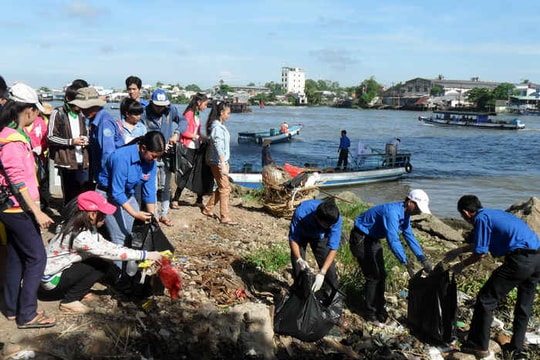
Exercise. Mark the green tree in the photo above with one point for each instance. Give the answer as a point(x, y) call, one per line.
point(275, 88)
point(502, 91)
point(44, 89)
point(367, 91)
point(159, 85)
point(313, 93)
point(251, 84)
point(482, 97)
point(436, 90)
point(193, 87)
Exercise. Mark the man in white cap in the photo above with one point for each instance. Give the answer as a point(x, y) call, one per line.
point(386, 221)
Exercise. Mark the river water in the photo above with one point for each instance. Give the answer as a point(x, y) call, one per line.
point(498, 166)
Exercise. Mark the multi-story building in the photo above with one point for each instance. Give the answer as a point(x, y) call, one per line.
point(293, 81)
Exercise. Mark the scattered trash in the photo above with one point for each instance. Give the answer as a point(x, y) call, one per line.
point(532, 338)
point(496, 323)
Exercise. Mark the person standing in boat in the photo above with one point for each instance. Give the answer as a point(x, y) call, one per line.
point(386, 221)
point(391, 151)
point(266, 157)
point(361, 152)
point(343, 150)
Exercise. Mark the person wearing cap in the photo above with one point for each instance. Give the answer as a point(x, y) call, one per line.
point(199, 177)
point(503, 235)
point(161, 116)
point(68, 140)
point(22, 216)
point(266, 157)
point(105, 135)
point(79, 256)
point(386, 221)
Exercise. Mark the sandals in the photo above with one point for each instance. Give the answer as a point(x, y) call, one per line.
point(229, 222)
point(13, 317)
point(75, 307)
point(166, 221)
point(40, 321)
point(174, 205)
point(208, 213)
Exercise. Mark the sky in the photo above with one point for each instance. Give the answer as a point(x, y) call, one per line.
point(50, 43)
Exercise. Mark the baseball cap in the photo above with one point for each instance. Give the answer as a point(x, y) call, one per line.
point(421, 199)
point(25, 94)
point(93, 201)
point(160, 98)
point(87, 97)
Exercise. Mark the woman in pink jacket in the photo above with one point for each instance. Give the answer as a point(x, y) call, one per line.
point(22, 215)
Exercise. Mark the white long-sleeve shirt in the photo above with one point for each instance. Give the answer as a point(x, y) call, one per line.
point(85, 245)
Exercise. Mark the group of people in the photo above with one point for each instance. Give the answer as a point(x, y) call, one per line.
point(318, 223)
point(111, 172)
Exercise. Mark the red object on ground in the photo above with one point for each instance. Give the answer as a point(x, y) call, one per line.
point(170, 277)
point(292, 170)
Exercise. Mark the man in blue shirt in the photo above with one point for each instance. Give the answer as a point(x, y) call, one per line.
point(344, 145)
point(501, 234)
point(317, 223)
point(386, 221)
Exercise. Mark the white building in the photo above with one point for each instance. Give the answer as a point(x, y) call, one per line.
point(293, 80)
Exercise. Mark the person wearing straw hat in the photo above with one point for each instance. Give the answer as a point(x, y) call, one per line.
point(105, 134)
point(386, 221)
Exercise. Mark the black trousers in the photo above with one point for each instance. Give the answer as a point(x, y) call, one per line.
point(520, 269)
point(369, 253)
point(343, 158)
point(77, 280)
point(320, 251)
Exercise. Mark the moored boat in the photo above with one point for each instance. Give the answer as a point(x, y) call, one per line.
point(364, 169)
point(480, 120)
point(273, 135)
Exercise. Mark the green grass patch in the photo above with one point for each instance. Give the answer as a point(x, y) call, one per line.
point(275, 258)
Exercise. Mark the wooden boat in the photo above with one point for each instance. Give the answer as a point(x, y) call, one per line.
point(274, 135)
point(480, 120)
point(365, 169)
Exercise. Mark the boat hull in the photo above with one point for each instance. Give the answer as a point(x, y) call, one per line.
point(331, 179)
point(260, 137)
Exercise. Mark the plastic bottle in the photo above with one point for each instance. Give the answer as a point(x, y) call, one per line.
point(131, 268)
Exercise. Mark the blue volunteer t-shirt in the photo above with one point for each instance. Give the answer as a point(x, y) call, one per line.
point(388, 221)
point(305, 227)
point(499, 232)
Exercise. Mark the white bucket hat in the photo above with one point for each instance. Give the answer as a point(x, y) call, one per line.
point(25, 94)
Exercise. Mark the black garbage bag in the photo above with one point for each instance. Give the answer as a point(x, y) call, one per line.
point(148, 237)
point(305, 315)
point(432, 308)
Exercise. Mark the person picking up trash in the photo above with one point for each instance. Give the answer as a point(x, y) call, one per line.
point(501, 234)
point(386, 221)
point(317, 223)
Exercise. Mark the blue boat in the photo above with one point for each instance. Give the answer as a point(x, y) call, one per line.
point(273, 135)
point(449, 118)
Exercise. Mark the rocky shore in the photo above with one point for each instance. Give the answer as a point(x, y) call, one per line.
point(226, 306)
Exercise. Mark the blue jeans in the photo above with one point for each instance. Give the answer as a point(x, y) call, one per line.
point(164, 183)
point(120, 223)
point(26, 260)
